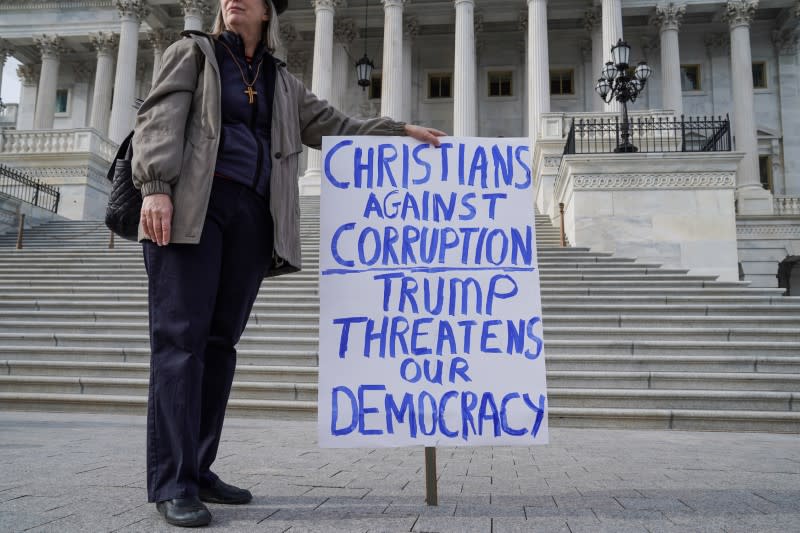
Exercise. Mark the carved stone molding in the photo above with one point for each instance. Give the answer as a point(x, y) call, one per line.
point(740, 12)
point(325, 4)
point(389, 3)
point(522, 20)
point(592, 18)
point(6, 49)
point(552, 162)
point(768, 230)
point(787, 42)
point(703, 180)
point(344, 30)
point(410, 27)
point(50, 46)
point(53, 4)
point(83, 73)
point(195, 8)
point(669, 16)
point(288, 34)
point(477, 23)
point(57, 172)
point(133, 9)
point(104, 42)
point(29, 74)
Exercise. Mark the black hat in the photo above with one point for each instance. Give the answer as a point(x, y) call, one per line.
point(280, 5)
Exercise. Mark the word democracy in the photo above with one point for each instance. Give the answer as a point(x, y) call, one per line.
point(372, 410)
point(386, 166)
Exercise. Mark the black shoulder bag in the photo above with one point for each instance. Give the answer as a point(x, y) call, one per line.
point(124, 200)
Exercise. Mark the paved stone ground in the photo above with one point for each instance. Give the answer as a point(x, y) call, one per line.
point(68, 472)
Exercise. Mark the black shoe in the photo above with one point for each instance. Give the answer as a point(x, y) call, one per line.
point(184, 512)
point(221, 492)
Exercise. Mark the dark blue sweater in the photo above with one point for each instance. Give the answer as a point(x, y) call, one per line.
point(244, 147)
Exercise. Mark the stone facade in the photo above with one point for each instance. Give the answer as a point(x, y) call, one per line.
point(440, 64)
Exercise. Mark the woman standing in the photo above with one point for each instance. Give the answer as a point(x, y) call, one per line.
point(216, 157)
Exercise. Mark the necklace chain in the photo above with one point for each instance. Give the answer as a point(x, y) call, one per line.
point(249, 86)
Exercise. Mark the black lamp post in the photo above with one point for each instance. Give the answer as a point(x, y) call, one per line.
point(364, 66)
point(618, 83)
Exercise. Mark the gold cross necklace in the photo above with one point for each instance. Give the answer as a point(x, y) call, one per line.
point(249, 86)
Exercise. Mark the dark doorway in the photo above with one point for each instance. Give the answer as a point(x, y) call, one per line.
point(789, 275)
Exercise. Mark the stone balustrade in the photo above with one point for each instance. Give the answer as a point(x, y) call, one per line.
point(35, 142)
point(787, 205)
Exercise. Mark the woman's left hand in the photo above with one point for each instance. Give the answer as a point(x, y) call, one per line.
point(423, 134)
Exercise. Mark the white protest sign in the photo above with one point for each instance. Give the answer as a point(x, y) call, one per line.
point(430, 310)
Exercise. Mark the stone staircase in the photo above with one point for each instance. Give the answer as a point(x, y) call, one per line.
point(628, 344)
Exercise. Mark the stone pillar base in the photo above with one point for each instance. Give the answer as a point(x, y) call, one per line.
point(310, 183)
point(754, 201)
point(675, 209)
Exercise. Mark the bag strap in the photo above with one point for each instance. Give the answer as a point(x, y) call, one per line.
point(124, 153)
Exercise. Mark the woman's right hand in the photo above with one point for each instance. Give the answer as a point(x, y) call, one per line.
point(156, 217)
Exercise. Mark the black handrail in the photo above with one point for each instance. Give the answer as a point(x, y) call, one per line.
point(17, 185)
point(650, 135)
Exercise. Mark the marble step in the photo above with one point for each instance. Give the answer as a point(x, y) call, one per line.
point(310, 343)
point(577, 417)
point(623, 398)
point(751, 364)
point(270, 330)
point(141, 354)
point(589, 379)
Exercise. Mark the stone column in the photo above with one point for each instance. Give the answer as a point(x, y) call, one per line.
point(464, 89)
point(5, 51)
point(410, 30)
point(538, 67)
point(50, 46)
point(751, 197)
point(344, 31)
point(668, 19)
point(122, 110)
point(787, 45)
point(392, 65)
point(83, 74)
point(522, 44)
point(718, 48)
point(589, 94)
point(160, 39)
point(193, 13)
point(612, 32)
point(321, 82)
point(593, 23)
point(105, 44)
point(29, 76)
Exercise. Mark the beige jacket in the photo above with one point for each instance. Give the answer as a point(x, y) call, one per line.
point(177, 135)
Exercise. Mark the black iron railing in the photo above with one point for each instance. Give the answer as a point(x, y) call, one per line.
point(17, 185)
point(650, 134)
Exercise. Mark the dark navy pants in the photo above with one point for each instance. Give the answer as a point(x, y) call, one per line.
point(200, 297)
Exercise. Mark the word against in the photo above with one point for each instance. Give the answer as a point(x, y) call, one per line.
point(430, 307)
